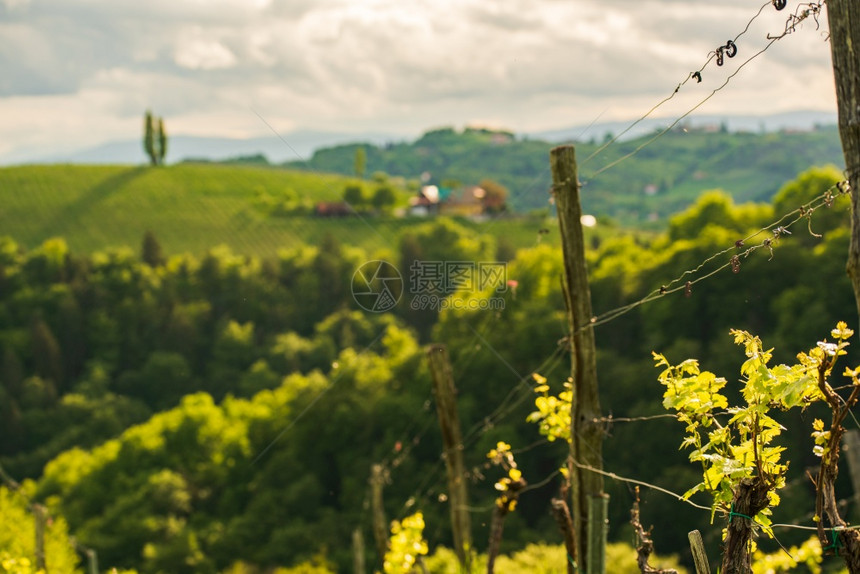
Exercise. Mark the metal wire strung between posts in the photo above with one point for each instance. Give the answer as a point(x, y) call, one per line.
point(511, 401)
point(695, 75)
point(813, 9)
point(681, 498)
point(777, 229)
point(508, 405)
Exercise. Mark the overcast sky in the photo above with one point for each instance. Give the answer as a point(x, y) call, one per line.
point(75, 73)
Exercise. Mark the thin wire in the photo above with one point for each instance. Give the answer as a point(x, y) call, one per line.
point(542, 483)
point(479, 429)
point(611, 419)
point(488, 507)
point(690, 76)
point(506, 406)
point(310, 405)
point(463, 361)
point(685, 114)
point(395, 459)
point(790, 26)
point(680, 498)
point(620, 478)
point(532, 446)
point(777, 227)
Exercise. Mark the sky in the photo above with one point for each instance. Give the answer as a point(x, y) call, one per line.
point(76, 73)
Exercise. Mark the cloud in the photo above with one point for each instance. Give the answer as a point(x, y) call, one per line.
point(196, 52)
point(389, 64)
point(11, 5)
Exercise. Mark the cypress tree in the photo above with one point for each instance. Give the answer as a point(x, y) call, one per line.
point(149, 138)
point(162, 141)
point(360, 162)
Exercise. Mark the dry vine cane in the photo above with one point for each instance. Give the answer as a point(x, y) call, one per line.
point(820, 362)
point(644, 545)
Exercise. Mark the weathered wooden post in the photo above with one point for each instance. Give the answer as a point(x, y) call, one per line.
point(92, 561)
point(843, 17)
point(449, 421)
point(598, 527)
point(697, 547)
point(39, 514)
point(358, 552)
point(380, 527)
point(586, 443)
point(565, 523)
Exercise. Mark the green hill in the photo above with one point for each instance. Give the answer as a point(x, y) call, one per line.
point(665, 177)
point(259, 209)
point(190, 207)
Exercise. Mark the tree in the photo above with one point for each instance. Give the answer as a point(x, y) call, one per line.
point(495, 199)
point(353, 194)
point(149, 138)
point(162, 141)
point(383, 197)
point(151, 253)
point(360, 162)
point(154, 138)
point(843, 16)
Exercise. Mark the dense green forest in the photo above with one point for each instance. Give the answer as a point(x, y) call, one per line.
point(221, 412)
point(650, 186)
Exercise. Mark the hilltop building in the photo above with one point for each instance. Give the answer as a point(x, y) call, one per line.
point(466, 201)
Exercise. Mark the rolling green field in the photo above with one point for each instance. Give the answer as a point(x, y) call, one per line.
point(192, 208)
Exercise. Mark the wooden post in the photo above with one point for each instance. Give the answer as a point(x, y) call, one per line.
point(92, 561)
point(586, 443)
point(380, 527)
point(40, 516)
point(358, 552)
point(565, 524)
point(843, 17)
point(700, 558)
point(449, 421)
point(598, 525)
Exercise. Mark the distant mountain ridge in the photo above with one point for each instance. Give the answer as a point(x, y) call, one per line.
point(295, 145)
point(796, 120)
point(741, 155)
point(301, 144)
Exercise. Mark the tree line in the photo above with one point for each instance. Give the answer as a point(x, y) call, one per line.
point(147, 393)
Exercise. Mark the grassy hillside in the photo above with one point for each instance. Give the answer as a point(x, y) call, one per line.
point(192, 208)
point(675, 169)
